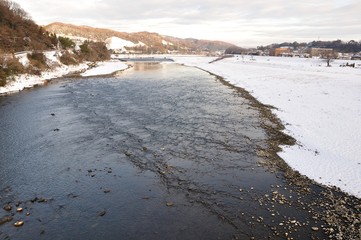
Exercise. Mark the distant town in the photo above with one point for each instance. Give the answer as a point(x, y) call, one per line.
point(338, 49)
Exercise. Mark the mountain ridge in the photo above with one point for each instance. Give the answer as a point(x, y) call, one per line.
point(149, 41)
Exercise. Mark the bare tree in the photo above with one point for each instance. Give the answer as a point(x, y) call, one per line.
point(16, 9)
point(329, 57)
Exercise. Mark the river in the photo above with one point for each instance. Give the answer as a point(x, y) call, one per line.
point(160, 151)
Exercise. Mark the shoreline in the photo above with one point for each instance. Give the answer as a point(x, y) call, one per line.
point(338, 209)
point(318, 106)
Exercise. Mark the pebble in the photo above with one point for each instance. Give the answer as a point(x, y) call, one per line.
point(19, 223)
point(7, 207)
point(5, 219)
point(315, 228)
point(102, 213)
point(170, 204)
point(19, 209)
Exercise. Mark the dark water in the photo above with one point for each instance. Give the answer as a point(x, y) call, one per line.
point(158, 152)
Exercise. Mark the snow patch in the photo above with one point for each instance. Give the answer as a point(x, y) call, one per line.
point(104, 68)
point(23, 59)
point(53, 58)
point(140, 44)
point(164, 42)
point(116, 43)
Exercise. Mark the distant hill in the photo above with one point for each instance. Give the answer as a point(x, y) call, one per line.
point(19, 33)
point(144, 42)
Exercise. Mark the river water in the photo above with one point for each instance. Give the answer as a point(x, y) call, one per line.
point(160, 151)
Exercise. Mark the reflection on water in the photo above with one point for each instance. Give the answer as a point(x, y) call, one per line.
point(157, 152)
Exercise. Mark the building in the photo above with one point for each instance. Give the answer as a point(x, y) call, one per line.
point(356, 56)
point(321, 52)
point(282, 51)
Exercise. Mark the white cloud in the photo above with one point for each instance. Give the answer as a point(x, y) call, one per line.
point(239, 21)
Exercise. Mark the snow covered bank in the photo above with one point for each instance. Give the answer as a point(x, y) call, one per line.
point(320, 107)
point(103, 68)
point(27, 81)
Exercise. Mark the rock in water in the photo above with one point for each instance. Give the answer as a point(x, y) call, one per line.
point(7, 207)
point(19, 223)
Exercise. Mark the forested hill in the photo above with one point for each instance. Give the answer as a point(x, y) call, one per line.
point(19, 33)
point(153, 42)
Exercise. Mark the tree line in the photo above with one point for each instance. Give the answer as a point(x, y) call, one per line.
point(351, 46)
point(18, 32)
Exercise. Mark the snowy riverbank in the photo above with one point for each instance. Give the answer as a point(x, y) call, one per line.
point(24, 81)
point(320, 107)
point(104, 68)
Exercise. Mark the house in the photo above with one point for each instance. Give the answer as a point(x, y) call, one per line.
point(356, 56)
point(321, 52)
point(282, 51)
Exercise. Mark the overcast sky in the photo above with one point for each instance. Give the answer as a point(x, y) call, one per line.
point(242, 22)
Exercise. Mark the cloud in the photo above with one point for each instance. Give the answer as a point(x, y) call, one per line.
point(241, 22)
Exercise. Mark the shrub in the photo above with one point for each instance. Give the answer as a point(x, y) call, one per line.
point(37, 61)
point(94, 51)
point(66, 42)
point(13, 66)
point(2, 78)
point(84, 48)
point(9, 66)
point(68, 59)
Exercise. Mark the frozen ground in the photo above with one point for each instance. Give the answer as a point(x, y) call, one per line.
point(320, 107)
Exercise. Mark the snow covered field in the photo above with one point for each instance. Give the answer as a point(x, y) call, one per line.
point(320, 107)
